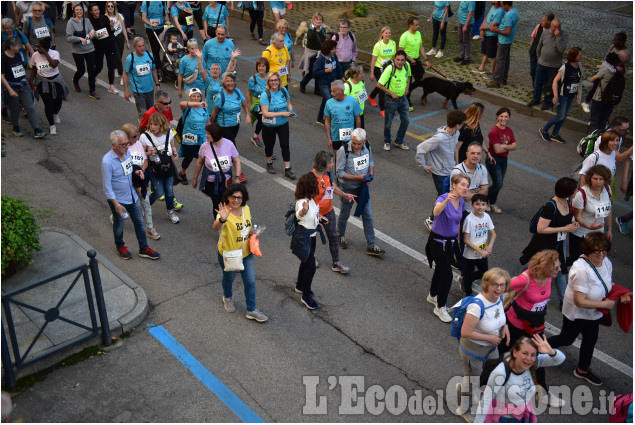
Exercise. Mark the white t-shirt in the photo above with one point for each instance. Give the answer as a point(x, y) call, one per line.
point(478, 229)
point(116, 25)
point(595, 209)
point(312, 216)
point(137, 153)
point(493, 318)
point(600, 157)
point(477, 179)
point(583, 279)
point(159, 142)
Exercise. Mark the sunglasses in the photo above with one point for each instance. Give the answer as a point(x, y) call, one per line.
point(165, 103)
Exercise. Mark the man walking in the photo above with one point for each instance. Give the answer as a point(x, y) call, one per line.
point(506, 33)
point(395, 82)
point(411, 43)
point(341, 116)
point(139, 73)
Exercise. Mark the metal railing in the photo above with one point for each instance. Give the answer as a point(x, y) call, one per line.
point(19, 360)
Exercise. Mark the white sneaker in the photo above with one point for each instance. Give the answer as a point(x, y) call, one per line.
point(495, 209)
point(439, 55)
point(173, 217)
point(256, 315)
point(442, 313)
point(476, 37)
point(386, 146)
point(552, 400)
point(431, 52)
point(432, 300)
point(229, 305)
point(429, 223)
point(585, 107)
point(56, 119)
point(121, 82)
point(53, 130)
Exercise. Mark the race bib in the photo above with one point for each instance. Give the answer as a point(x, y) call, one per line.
point(362, 96)
point(328, 193)
point(87, 41)
point(117, 31)
point(603, 210)
point(127, 166)
point(360, 163)
point(143, 69)
point(238, 118)
point(481, 247)
point(102, 33)
point(562, 236)
point(224, 162)
point(345, 134)
point(574, 88)
point(137, 158)
point(18, 71)
point(189, 20)
point(44, 67)
point(190, 138)
point(155, 21)
point(269, 120)
point(540, 306)
point(283, 71)
point(42, 32)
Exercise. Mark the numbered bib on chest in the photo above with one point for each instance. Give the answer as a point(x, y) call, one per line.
point(540, 306)
point(143, 69)
point(362, 96)
point(102, 33)
point(155, 21)
point(190, 138)
point(603, 210)
point(361, 163)
point(574, 88)
point(269, 120)
point(42, 32)
point(189, 20)
point(562, 236)
point(137, 158)
point(127, 166)
point(328, 193)
point(224, 163)
point(283, 71)
point(44, 67)
point(18, 71)
point(345, 134)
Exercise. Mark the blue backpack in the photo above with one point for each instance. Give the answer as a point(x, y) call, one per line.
point(459, 313)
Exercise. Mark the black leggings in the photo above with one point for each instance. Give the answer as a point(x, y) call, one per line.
point(52, 105)
point(436, 28)
point(307, 270)
point(442, 276)
point(258, 128)
point(230, 133)
point(189, 153)
point(570, 331)
point(269, 138)
point(257, 17)
point(110, 51)
point(79, 59)
point(155, 46)
point(120, 42)
point(382, 95)
point(471, 273)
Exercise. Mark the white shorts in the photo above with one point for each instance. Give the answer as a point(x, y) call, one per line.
point(279, 11)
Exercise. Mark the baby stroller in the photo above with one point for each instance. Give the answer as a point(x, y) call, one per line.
point(170, 61)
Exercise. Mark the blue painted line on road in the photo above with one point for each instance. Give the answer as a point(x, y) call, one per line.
point(252, 58)
point(438, 111)
point(219, 389)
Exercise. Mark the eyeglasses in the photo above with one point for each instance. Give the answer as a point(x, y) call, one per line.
point(498, 285)
point(274, 80)
point(236, 198)
point(623, 130)
point(124, 145)
point(165, 103)
point(601, 251)
point(36, 10)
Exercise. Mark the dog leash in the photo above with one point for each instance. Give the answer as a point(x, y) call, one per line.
point(437, 71)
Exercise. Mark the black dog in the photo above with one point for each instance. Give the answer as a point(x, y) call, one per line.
point(450, 89)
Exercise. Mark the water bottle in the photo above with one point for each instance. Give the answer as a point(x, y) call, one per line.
point(124, 214)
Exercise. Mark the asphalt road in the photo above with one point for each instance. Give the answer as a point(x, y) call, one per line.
point(373, 325)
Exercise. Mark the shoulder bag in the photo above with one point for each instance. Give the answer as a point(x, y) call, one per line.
point(233, 259)
point(510, 295)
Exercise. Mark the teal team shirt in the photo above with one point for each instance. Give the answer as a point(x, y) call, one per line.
point(229, 113)
point(155, 12)
point(194, 126)
point(439, 10)
point(187, 67)
point(278, 104)
point(464, 8)
point(257, 86)
point(342, 117)
point(213, 88)
point(509, 20)
point(220, 53)
point(140, 73)
point(494, 15)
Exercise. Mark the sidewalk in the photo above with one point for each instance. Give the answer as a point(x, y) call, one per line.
point(126, 302)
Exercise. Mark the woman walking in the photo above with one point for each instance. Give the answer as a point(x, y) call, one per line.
point(80, 32)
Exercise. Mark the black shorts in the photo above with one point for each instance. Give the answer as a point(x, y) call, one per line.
point(489, 46)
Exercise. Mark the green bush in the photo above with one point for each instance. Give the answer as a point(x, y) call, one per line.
point(19, 232)
point(360, 10)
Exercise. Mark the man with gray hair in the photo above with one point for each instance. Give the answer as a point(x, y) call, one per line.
point(355, 171)
point(341, 116)
point(219, 50)
point(139, 73)
point(278, 57)
point(346, 49)
point(117, 171)
point(161, 104)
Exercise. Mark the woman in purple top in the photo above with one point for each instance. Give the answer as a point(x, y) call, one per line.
point(443, 243)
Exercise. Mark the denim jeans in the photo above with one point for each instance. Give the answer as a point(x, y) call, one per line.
point(134, 211)
point(249, 280)
point(367, 216)
point(564, 106)
point(543, 76)
point(533, 62)
point(600, 113)
point(561, 285)
point(325, 91)
point(331, 234)
point(162, 187)
point(497, 172)
point(306, 271)
point(392, 107)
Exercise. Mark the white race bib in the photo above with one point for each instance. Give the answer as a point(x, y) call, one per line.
point(362, 96)
point(224, 162)
point(189, 20)
point(18, 71)
point(190, 138)
point(361, 163)
point(562, 236)
point(345, 134)
point(328, 193)
point(238, 118)
point(574, 88)
point(155, 21)
point(137, 158)
point(283, 71)
point(102, 33)
point(269, 120)
point(44, 66)
point(42, 32)
point(603, 210)
point(540, 306)
point(86, 40)
point(143, 69)
point(127, 166)
point(117, 31)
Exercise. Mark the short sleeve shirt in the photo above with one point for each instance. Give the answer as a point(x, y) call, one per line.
point(212, 15)
point(187, 67)
point(229, 113)
point(194, 125)
point(159, 141)
point(155, 12)
point(447, 223)
point(213, 88)
point(384, 52)
point(601, 158)
point(411, 43)
point(140, 72)
point(137, 153)
point(42, 64)
point(439, 10)
point(226, 154)
point(478, 229)
point(510, 19)
point(257, 85)
point(493, 318)
point(342, 115)
point(215, 52)
point(583, 279)
point(324, 198)
point(278, 59)
point(464, 8)
point(503, 137)
point(494, 15)
point(278, 103)
point(398, 82)
point(594, 210)
point(12, 68)
point(234, 234)
point(358, 91)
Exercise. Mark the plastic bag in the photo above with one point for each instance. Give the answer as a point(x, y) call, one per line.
point(254, 242)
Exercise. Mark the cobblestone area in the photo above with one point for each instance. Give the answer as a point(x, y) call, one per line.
point(591, 26)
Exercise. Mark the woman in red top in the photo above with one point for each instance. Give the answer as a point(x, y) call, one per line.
point(501, 142)
point(322, 165)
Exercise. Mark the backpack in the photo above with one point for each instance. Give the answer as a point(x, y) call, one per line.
point(533, 224)
point(222, 96)
point(612, 93)
point(459, 314)
point(337, 36)
point(132, 56)
point(284, 91)
point(586, 145)
point(46, 19)
point(290, 220)
point(621, 404)
point(489, 366)
point(179, 126)
point(346, 151)
point(394, 69)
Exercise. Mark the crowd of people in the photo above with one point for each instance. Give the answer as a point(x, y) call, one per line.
point(572, 232)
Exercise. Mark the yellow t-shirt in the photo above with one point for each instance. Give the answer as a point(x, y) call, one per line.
point(358, 91)
point(398, 81)
point(411, 43)
point(233, 233)
point(384, 52)
point(278, 59)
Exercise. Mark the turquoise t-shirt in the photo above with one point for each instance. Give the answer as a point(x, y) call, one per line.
point(229, 113)
point(278, 104)
point(211, 15)
point(257, 86)
point(194, 126)
point(155, 12)
point(277, 4)
point(186, 68)
point(509, 20)
point(220, 53)
point(213, 88)
point(288, 41)
point(174, 13)
point(140, 73)
point(494, 15)
point(464, 8)
point(439, 10)
point(342, 115)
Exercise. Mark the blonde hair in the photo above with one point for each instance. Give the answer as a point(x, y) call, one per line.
point(159, 119)
point(456, 178)
point(492, 275)
point(115, 11)
point(473, 115)
point(282, 22)
point(354, 71)
point(274, 74)
point(383, 30)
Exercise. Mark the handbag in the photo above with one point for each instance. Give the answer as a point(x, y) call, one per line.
point(233, 259)
point(510, 295)
point(165, 167)
point(220, 183)
point(606, 319)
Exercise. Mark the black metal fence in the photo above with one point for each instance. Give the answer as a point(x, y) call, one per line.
point(16, 358)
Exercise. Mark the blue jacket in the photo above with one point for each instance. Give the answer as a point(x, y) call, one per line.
point(301, 241)
point(326, 78)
